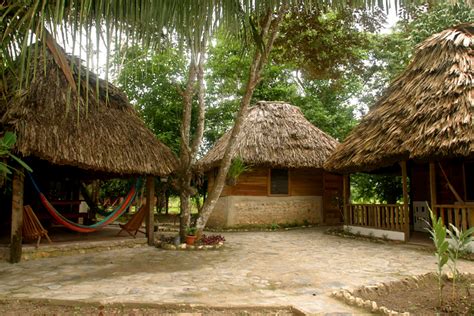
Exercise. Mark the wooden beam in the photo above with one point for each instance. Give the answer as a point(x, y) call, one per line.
point(406, 206)
point(433, 186)
point(346, 197)
point(17, 217)
point(150, 203)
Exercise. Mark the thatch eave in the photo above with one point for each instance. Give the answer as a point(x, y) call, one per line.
point(275, 134)
point(425, 114)
point(83, 130)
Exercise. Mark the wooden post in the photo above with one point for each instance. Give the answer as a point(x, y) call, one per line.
point(433, 186)
point(150, 203)
point(17, 217)
point(346, 197)
point(406, 208)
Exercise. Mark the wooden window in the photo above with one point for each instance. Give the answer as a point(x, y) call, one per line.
point(279, 181)
point(469, 180)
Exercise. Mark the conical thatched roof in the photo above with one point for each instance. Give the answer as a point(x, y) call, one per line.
point(426, 113)
point(76, 129)
point(276, 134)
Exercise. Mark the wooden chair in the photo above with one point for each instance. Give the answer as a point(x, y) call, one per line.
point(32, 228)
point(135, 223)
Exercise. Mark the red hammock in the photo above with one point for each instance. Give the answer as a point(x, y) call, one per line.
point(81, 228)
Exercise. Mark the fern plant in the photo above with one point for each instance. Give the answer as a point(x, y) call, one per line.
point(236, 168)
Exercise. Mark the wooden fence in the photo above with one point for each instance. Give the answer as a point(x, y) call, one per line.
point(381, 216)
point(461, 216)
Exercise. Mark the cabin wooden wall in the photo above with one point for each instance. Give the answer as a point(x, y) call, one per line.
point(420, 182)
point(306, 182)
point(302, 182)
point(314, 196)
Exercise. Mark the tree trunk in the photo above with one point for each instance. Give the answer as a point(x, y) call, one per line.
point(185, 151)
point(190, 149)
point(17, 217)
point(268, 34)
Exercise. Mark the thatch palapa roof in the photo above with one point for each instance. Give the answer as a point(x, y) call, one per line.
point(275, 134)
point(425, 114)
point(82, 130)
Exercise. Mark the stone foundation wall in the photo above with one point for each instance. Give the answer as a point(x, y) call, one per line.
point(235, 211)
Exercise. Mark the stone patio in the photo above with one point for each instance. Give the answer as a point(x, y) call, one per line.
point(298, 267)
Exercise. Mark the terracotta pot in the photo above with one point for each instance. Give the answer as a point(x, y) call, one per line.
point(190, 240)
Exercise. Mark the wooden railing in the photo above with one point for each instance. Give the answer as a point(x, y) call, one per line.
point(461, 216)
point(381, 216)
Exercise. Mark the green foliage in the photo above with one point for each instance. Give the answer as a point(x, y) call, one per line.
point(373, 188)
point(324, 43)
point(237, 167)
point(438, 235)
point(152, 81)
point(460, 242)
point(332, 42)
point(274, 226)
point(6, 145)
point(191, 231)
point(115, 188)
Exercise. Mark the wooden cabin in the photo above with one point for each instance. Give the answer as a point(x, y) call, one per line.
point(285, 183)
point(422, 129)
point(69, 136)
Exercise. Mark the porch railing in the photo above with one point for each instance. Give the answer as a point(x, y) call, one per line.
point(461, 216)
point(381, 216)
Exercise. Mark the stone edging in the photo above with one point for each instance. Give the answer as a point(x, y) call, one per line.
point(256, 229)
point(167, 246)
point(350, 297)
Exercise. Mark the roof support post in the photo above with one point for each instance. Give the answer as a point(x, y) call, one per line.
point(149, 218)
point(406, 206)
point(17, 216)
point(346, 191)
point(433, 186)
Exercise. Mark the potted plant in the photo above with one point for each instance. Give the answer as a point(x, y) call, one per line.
point(190, 235)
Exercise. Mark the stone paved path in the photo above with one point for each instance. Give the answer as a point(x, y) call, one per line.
point(297, 267)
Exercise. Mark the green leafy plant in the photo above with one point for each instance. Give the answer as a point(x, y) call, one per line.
point(236, 168)
point(274, 226)
point(437, 231)
point(191, 231)
point(6, 145)
point(459, 245)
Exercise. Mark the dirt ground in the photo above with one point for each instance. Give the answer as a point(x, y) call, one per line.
point(48, 307)
point(423, 298)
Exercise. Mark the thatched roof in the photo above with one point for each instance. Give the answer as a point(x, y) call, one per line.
point(275, 134)
point(425, 114)
point(53, 123)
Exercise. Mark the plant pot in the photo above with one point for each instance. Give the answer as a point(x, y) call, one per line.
point(190, 240)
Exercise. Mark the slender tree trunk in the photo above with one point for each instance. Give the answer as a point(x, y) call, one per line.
point(269, 31)
point(185, 151)
point(190, 149)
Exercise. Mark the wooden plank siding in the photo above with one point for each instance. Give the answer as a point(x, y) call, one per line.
point(302, 182)
point(420, 185)
point(332, 198)
point(306, 182)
